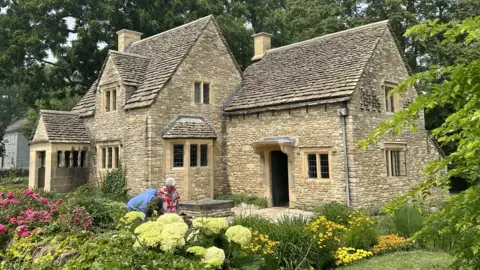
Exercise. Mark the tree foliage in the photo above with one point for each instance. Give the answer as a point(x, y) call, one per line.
point(456, 86)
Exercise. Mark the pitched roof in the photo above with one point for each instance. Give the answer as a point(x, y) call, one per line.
point(166, 51)
point(86, 105)
point(17, 125)
point(327, 67)
point(131, 67)
point(188, 126)
point(64, 127)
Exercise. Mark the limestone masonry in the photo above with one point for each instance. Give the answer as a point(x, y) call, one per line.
point(287, 128)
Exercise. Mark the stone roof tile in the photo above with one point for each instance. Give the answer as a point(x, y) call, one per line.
point(186, 126)
point(64, 127)
point(326, 67)
point(86, 105)
point(17, 125)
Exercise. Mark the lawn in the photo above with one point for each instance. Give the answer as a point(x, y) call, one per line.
point(411, 260)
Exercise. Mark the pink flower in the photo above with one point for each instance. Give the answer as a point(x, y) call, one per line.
point(13, 220)
point(20, 222)
point(23, 231)
point(2, 229)
point(28, 192)
point(59, 202)
point(10, 195)
point(76, 220)
point(43, 200)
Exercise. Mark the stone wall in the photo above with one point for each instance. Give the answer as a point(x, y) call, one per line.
point(314, 128)
point(208, 61)
point(369, 182)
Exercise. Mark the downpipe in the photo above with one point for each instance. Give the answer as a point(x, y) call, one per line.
point(343, 113)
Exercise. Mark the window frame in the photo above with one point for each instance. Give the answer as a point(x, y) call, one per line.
point(103, 156)
point(109, 99)
point(318, 152)
point(183, 155)
point(392, 102)
point(200, 98)
point(388, 149)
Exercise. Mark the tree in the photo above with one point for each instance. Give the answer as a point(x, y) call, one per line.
point(456, 86)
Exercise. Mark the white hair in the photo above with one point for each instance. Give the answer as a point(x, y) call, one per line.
point(170, 182)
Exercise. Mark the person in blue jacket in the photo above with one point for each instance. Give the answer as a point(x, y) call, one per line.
point(145, 202)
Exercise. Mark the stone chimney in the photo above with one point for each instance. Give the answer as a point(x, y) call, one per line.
point(126, 38)
point(262, 43)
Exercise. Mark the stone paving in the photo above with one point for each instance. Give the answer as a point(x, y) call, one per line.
point(271, 213)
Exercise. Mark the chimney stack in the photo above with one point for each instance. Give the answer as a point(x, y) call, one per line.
point(126, 38)
point(262, 43)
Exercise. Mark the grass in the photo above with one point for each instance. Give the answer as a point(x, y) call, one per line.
point(411, 260)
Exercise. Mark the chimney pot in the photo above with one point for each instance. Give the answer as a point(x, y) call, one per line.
point(126, 38)
point(262, 43)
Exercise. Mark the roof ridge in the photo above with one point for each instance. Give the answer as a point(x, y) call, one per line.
point(328, 35)
point(129, 54)
point(58, 112)
point(169, 30)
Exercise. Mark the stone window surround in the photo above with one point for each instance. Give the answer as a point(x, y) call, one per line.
point(211, 92)
point(112, 91)
point(198, 155)
point(61, 163)
point(304, 152)
point(402, 146)
point(186, 154)
point(396, 97)
point(114, 145)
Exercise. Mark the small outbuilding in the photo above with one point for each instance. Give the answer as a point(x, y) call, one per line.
point(58, 152)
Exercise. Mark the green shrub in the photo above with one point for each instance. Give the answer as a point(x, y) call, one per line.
point(297, 248)
point(114, 185)
point(385, 225)
point(239, 198)
point(361, 233)
point(333, 211)
point(105, 212)
point(408, 220)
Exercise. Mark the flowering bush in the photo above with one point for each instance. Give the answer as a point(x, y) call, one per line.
point(326, 232)
point(239, 234)
point(361, 232)
point(210, 226)
point(133, 216)
point(23, 212)
point(391, 242)
point(260, 244)
point(346, 255)
point(214, 257)
point(78, 220)
point(170, 218)
point(167, 236)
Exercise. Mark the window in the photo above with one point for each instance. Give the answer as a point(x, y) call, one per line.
point(395, 161)
point(318, 166)
point(193, 155)
point(75, 159)
point(3, 161)
point(83, 157)
point(110, 100)
point(206, 93)
point(117, 156)
point(391, 101)
point(198, 93)
point(202, 93)
point(104, 158)
point(203, 155)
point(110, 157)
point(178, 155)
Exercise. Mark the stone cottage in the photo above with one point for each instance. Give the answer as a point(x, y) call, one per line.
point(16, 147)
point(287, 128)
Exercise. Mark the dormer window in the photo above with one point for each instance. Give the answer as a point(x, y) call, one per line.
point(202, 93)
point(110, 99)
